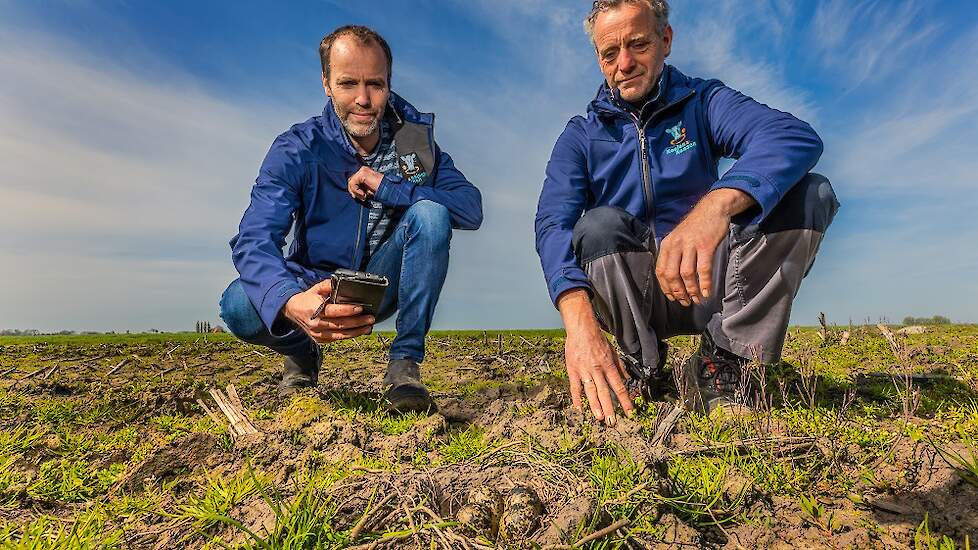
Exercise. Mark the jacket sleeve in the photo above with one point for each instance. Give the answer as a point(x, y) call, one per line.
point(449, 188)
point(774, 150)
point(561, 204)
point(257, 248)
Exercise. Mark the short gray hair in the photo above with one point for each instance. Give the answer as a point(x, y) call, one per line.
point(659, 9)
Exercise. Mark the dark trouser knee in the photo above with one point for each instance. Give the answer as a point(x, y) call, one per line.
point(607, 230)
point(810, 204)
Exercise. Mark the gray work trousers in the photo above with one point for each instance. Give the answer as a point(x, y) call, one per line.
point(757, 271)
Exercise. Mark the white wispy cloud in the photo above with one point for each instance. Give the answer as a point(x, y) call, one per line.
point(709, 42)
point(869, 40)
point(119, 190)
point(111, 180)
point(916, 131)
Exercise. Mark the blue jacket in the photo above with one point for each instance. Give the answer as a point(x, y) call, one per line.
point(303, 182)
point(659, 172)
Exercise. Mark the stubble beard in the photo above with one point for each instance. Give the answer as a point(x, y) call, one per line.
point(354, 129)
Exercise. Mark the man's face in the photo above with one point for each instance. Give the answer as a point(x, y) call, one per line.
point(630, 52)
point(358, 84)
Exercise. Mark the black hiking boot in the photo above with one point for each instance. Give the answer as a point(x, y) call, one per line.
point(404, 391)
point(715, 378)
point(301, 371)
point(649, 383)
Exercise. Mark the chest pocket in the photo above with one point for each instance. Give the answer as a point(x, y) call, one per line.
point(415, 157)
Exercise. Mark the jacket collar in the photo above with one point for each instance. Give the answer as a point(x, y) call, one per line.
point(398, 112)
point(673, 87)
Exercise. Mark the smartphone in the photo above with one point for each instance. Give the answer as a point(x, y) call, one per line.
point(359, 288)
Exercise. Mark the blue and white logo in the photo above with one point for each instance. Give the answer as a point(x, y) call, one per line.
point(679, 143)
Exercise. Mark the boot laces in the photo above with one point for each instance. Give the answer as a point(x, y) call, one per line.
point(723, 372)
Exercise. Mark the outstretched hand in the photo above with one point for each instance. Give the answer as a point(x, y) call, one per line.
point(592, 364)
point(334, 322)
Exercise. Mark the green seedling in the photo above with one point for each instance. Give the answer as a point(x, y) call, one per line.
point(966, 465)
point(924, 540)
point(816, 515)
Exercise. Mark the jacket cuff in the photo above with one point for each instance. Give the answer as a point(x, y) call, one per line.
point(568, 280)
point(272, 304)
point(394, 190)
point(765, 193)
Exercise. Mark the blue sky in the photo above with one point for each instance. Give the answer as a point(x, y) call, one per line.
point(132, 131)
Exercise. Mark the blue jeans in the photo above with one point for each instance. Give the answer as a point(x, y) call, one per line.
point(415, 261)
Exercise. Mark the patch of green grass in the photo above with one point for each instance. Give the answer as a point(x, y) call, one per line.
point(960, 420)
point(776, 476)
point(46, 533)
point(174, 426)
point(217, 496)
point(477, 386)
point(11, 403)
point(396, 424)
point(10, 480)
point(72, 480)
point(856, 429)
point(20, 439)
point(54, 411)
point(613, 473)
point(305, 521)
point(923, 539)
point(707, 429)
point(463, 445)
point(698, 494)
point(368, 410)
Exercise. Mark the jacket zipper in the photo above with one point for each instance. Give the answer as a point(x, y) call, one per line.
point(357, 254)
point(646, 173)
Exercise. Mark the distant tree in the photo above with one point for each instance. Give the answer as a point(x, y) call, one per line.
point(19, 332)
point(935, 320)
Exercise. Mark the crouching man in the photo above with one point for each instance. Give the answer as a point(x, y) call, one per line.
point(362, 187)
point(640, 236)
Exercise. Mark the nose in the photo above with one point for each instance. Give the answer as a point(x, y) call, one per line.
point(363, 96)
point(626, 61)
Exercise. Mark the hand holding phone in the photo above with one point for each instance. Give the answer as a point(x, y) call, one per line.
point(314, 313)
point(359, 288)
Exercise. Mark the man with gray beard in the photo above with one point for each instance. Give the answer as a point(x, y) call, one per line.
point(639, 235)
point(363, 187)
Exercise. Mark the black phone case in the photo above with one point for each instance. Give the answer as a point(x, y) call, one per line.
point(363, 289)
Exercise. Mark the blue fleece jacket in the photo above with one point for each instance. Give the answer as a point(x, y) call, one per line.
point(303, 183)
point(658, 169)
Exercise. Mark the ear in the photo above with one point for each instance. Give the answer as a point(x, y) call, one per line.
point(329, 92)
point(667, 39)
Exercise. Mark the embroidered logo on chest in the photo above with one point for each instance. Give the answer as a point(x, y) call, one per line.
point(679, 144)
point(412, 169)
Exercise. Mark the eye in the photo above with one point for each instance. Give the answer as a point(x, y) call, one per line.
point(609, 55)
point(641, 46)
